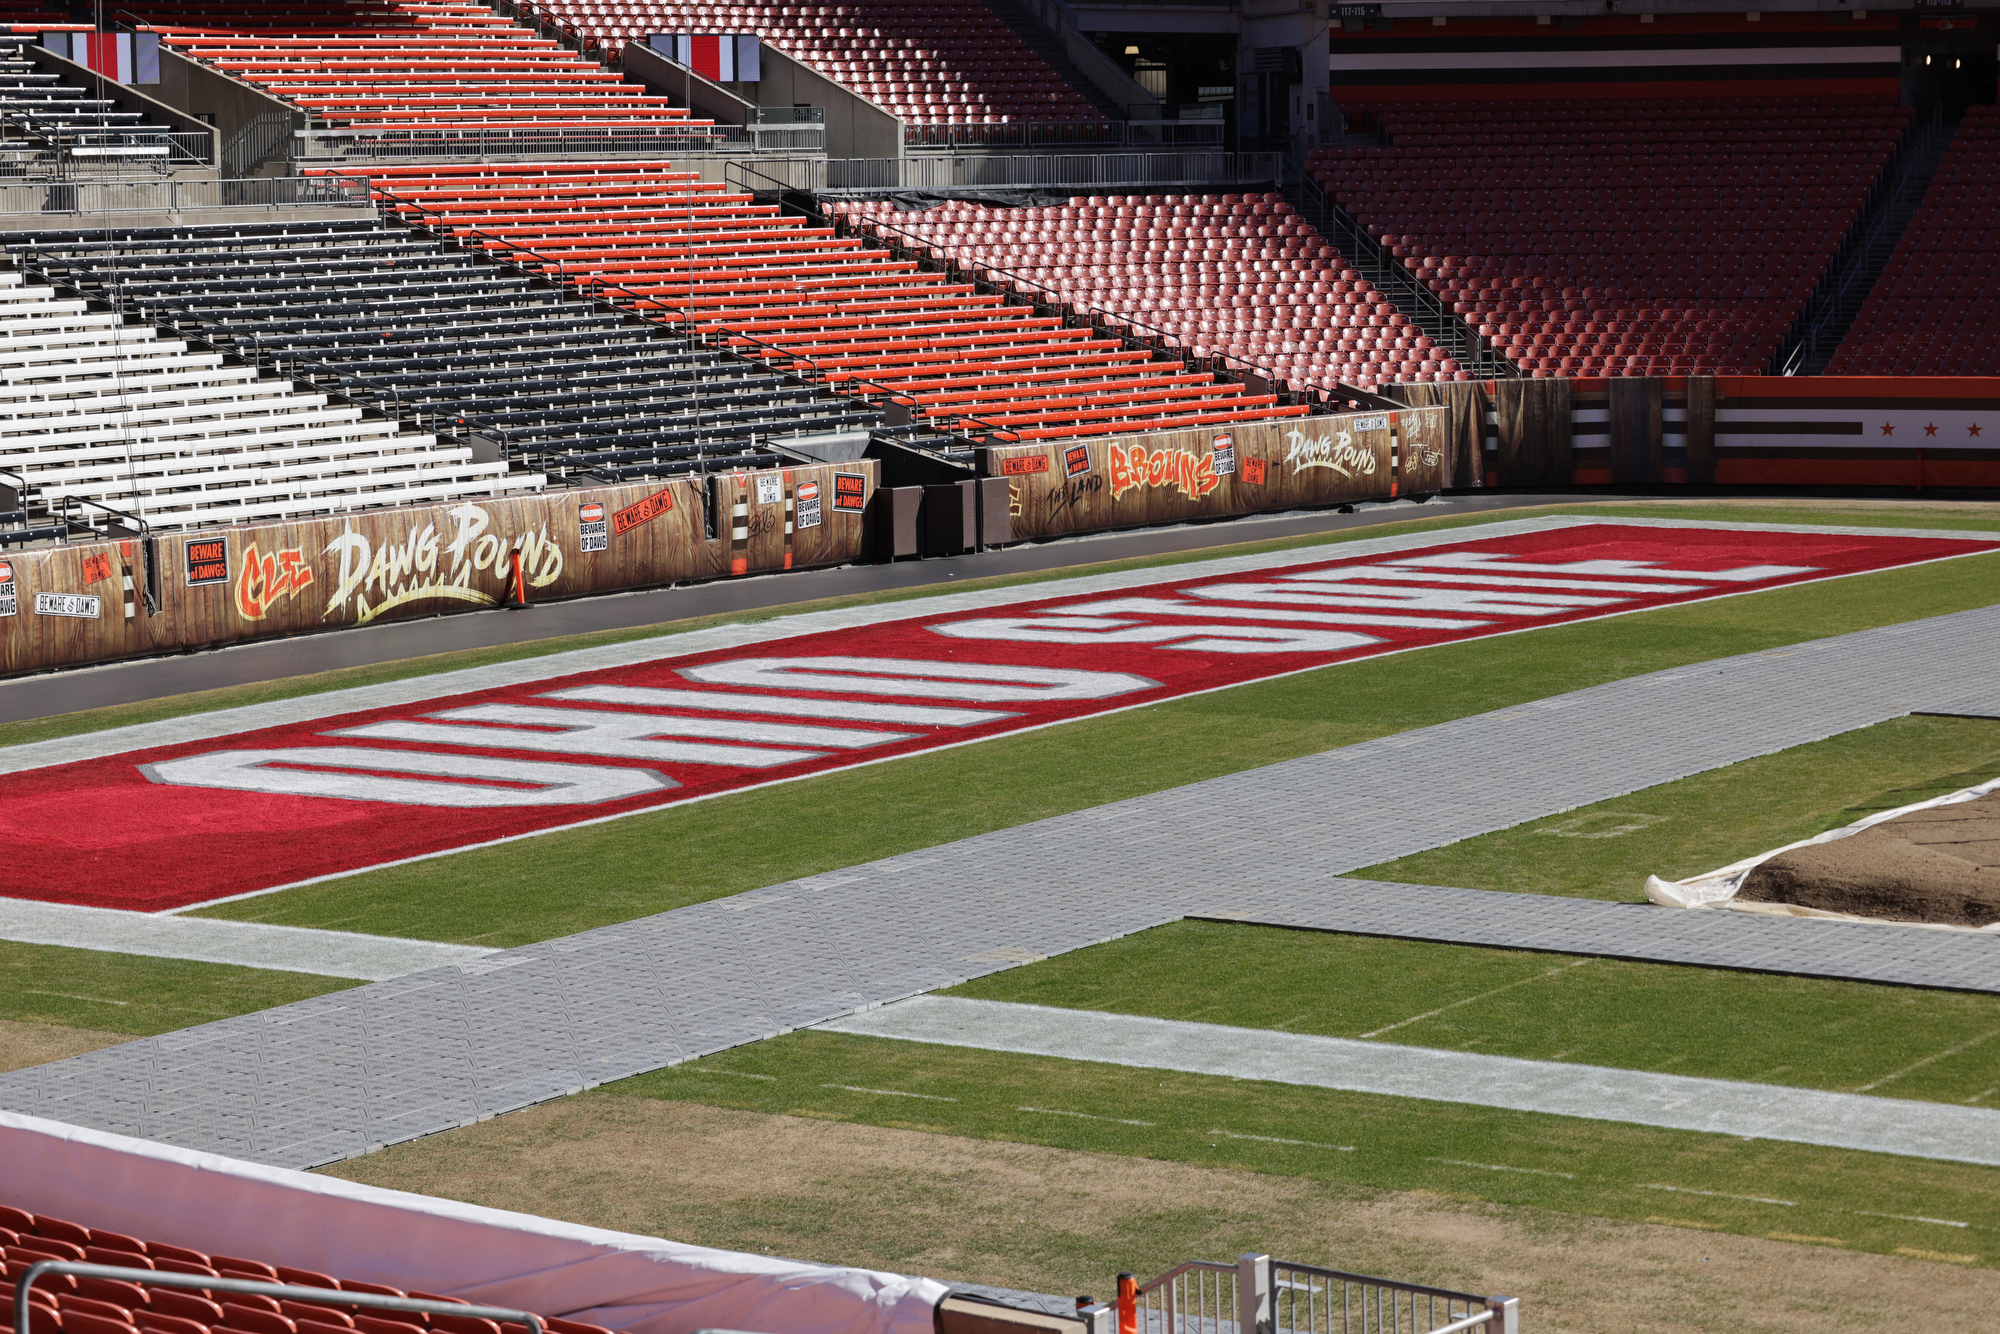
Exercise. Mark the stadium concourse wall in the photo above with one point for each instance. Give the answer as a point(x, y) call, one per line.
point(89, 601)
point(628, 1283)
point(1727, 430)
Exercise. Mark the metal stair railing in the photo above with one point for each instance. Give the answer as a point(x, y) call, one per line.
point(1802, 342)
point(1110, 322)
point(1410, 294)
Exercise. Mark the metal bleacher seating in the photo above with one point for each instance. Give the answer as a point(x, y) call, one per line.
point(80, 1304)
point(928, 62)
point(46, 123)
point(422, 327)
point(93, 408)
point(1233, 276)
point(1936, 308)
point(412, 67)
point(1645, 236)
point(788, 291)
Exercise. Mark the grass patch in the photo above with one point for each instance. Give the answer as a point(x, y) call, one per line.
point(1803, 1032)
point(1675, 830)
point(530, 890)
point(1749, 1187)
point(128, 993)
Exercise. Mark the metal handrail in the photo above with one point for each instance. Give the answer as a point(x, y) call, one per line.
point(1212, 1266)
point(535, 264)
point(1374, 263)
point(281, 1291)
point(1801, 342)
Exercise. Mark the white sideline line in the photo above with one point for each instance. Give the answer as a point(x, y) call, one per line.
point(290, 949)
point(1676, 1102)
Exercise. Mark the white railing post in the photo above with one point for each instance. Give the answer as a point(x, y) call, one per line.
point(1509, 1311)
point(1253, 1293)
point(1098, 1318)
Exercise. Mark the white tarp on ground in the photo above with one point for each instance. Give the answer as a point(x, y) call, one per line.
point(642, 1284)
point(1717, 889)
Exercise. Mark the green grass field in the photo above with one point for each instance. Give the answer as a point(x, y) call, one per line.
point(1888, 1042)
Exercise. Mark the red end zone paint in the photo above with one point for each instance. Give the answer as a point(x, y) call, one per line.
point(183, 824)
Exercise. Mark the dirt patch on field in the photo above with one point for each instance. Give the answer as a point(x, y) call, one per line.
point(1052, 1220)
point(24, 1044)
point(1935, 865)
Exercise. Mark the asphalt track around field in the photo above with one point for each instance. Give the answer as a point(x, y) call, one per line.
point(338, 1075)
point(72, 690)
point(1637, 1097)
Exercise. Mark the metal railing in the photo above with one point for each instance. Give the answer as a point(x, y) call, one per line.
point(153, 1278)
point(327, 146)
point(84, 198)
point(1410, 294)
point(1056, 134)
point(1803, 341)
point(1083, 172)
point(263, 135)
point(1134, 331)
point(1259, 1295)
point(788, 115)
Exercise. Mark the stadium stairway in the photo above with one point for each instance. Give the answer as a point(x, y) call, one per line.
point(559, 384)
point(1860, 263)
point(1935, 309)
point(46, 124)
point(1241, 277)
point(95, 409)
point(1632, 237)
point(769, 285)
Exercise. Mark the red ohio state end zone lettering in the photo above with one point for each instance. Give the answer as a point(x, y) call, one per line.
point(230, 815)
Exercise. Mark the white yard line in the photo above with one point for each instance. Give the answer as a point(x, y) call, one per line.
point(1677, 1102)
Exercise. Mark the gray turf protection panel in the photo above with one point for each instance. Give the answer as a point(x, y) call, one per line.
point(333, 1076)
point(292, 949)
point(1708, 938)
point(1673, 1102)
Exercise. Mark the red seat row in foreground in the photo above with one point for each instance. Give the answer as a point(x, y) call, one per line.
point(62, 1304)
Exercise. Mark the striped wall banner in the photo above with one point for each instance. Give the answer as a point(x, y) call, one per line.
point(724, 57)
point(127, 57)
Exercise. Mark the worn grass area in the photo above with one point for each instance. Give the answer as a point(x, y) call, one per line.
point(530, 890)
point(1063, 1220)
point(127, 994)
point(26, 1044)
point(1756, 1188)
point(1606, 851)
point(1943, 1046)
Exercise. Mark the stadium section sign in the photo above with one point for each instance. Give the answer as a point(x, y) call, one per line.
point(333, 794)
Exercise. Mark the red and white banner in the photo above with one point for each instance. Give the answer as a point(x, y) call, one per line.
point(179, 824)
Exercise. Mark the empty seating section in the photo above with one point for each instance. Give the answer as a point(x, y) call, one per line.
point(551, 380)
point(1936, 308)
point(426, 66)
point(93, 408)
point(61, 1304)
point(43, 121)
point(792, 293)
point(930, 63)
point(1241, 277)
point(1640, 237)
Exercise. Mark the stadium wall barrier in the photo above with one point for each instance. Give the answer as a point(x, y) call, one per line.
point(1059, 487)
point(86, 602)
point(1730, 430)
point(626, 1282)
